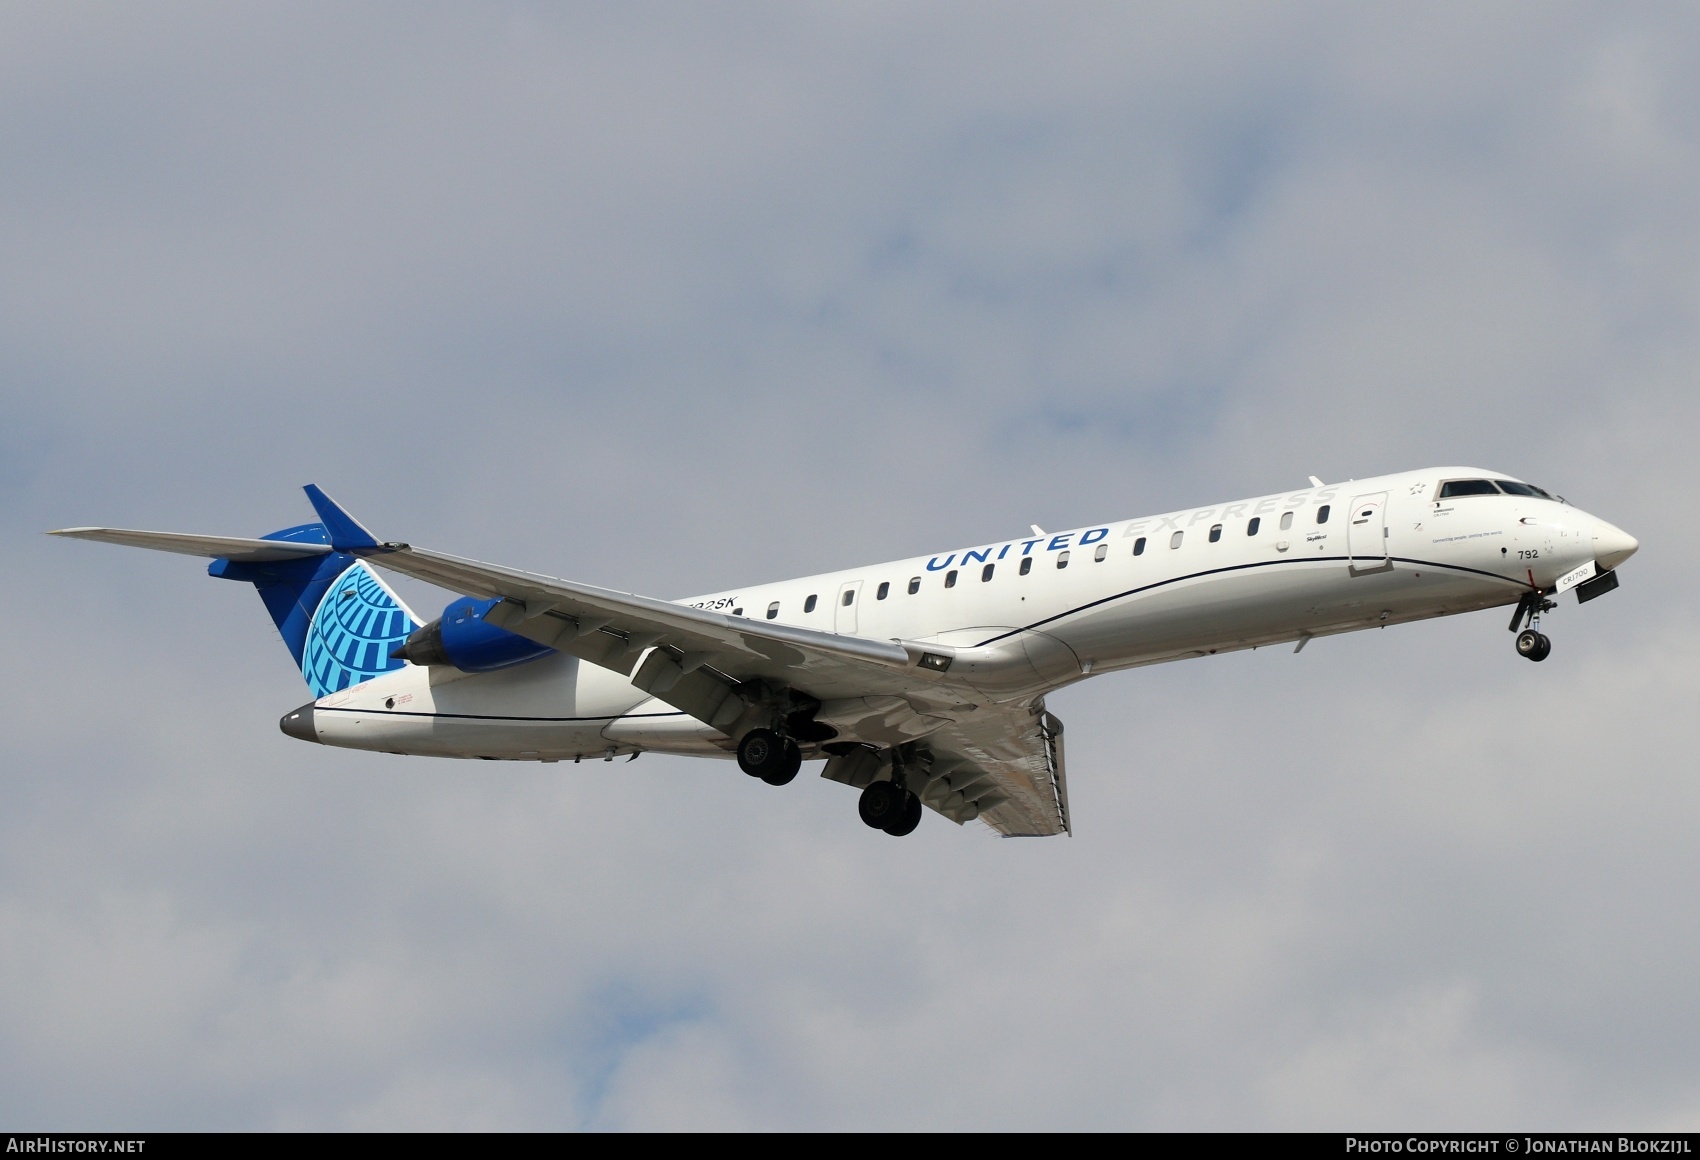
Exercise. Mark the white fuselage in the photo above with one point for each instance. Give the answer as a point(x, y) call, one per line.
point(1317, 561)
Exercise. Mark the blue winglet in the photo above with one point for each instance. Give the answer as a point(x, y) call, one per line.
point(347, 533)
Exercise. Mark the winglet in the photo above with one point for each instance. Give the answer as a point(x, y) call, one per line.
point(347, 533)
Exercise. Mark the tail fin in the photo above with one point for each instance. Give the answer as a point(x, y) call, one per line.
point(340, 621)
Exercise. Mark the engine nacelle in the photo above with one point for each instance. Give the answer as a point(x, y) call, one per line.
point(461, 638)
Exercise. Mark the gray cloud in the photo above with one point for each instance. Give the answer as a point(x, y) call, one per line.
point(672, 299)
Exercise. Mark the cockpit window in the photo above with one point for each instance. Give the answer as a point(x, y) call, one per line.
point(1510, 487)
point(1459, 487)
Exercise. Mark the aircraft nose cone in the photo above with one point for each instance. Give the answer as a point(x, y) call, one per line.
point(299, 724)
point(1612, 546)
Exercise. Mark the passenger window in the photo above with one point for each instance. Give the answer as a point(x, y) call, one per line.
point(1322, 514)
point(1103, 551)
point(1251, 528)
point(1175, 541)
point(1139, 546)
point(773, 610)
point(986, 573)
point(1460, 487)
point(1215, 533)
point(737, 612)
point(1026, 565)
point(849, 595)
point(914, 585)
point(885, 590)
point(1062, 559)
point(1286, 520)
point(950, 578)
point(809, 604)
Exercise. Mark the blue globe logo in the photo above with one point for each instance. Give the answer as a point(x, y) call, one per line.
point(356, 626)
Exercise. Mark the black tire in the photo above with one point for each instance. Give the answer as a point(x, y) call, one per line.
point(761, 753)
point(791, 761)
point(911, 817)
point(1543, 648)
point(1529, 643)
point(882, 804)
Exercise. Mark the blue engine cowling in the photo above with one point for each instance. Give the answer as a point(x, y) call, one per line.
point(461, 638)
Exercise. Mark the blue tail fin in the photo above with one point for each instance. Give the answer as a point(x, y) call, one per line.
point(339, 620)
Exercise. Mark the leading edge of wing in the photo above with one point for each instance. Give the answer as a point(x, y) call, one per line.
point(632, 614)
point(614, 629)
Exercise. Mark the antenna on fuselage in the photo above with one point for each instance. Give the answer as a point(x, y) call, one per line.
point(1315, 482)
point(1038, 531)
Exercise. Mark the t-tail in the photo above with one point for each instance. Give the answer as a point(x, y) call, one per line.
point(340, 621)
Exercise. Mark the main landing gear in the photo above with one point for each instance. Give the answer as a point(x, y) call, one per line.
point(886, 807)
point(1532, 642)
point(765, 754)
point(889, 806)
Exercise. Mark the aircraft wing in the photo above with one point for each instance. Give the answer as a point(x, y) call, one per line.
point(690, 645)
point(1003, 767)
point(616, 629)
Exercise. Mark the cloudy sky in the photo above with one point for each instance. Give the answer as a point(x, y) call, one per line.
point(676, 297)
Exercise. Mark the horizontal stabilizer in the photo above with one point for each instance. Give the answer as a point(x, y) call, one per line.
point(236, 549)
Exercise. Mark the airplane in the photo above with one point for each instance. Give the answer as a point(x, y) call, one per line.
point(921, 682)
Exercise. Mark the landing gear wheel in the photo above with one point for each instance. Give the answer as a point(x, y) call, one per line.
point(761, 753)
point(1534, 645)
point(791, 760)
point(1532, 642)
point(911, 817)
point(883, 804)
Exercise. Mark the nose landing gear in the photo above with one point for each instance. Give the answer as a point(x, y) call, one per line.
point(1534, 645)
point(765, 754)
point(1532, 642)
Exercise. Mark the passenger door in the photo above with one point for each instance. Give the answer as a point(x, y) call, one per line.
point(1366, 534)
point(844, 612)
